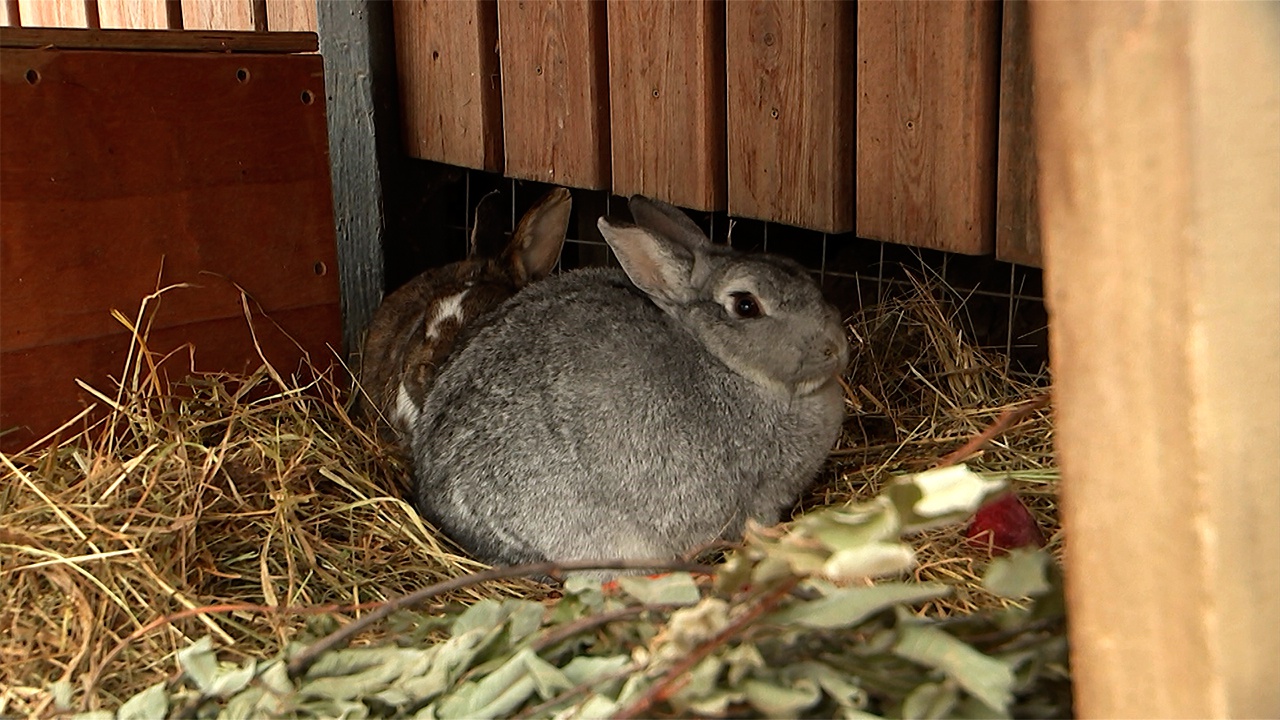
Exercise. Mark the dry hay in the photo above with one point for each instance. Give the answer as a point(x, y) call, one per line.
point(204, 507)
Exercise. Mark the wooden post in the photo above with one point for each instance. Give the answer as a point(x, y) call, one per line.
point(356, 40)
point(1158, 130)
point(1017, 218)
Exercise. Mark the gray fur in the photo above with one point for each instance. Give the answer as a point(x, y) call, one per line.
point(590, 420)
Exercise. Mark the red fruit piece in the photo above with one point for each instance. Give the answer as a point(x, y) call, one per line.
point(1004, 524)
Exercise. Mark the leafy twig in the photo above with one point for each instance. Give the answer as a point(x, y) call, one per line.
point(581, 625)
point(678, 675)
point(339, 638)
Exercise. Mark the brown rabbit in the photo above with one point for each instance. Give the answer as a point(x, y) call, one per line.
point(416, 328)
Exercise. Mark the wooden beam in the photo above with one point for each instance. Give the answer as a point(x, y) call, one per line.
point(667, 101)
point(357, 41)
point(790, 112)
point(1158, 131)
point(928, 78)
point(228, 41)
point(555, 91)
point(1017, 205)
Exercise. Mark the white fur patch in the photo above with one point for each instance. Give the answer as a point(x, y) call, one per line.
point(405, 414)
point(449, 309)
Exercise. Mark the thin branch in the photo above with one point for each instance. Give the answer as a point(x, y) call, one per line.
point(1007, 419)
point(678, 675)
point(339, 638)
point(568, 630)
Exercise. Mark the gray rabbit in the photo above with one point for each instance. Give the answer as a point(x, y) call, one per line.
point(606, 414)
point(417, 327)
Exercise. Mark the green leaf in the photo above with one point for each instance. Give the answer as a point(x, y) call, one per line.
point(851, 527)
point(841, 687)
point(547, 678)
point(149, 704)
point(876, 559)
point(846, 607)
point(777, 701)
point(526, 618)
point(984, 677)
point(675, 588)
point(484, 615)
point(930, 701)
point(584, 668)
point(199, 662)
point(231, 680)
point(1021, 573)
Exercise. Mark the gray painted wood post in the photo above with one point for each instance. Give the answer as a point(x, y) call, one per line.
point(358, 45)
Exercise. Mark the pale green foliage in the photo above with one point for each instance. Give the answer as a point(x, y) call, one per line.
point(840, 644)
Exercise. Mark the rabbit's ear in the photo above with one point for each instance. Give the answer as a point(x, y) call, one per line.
point(487, 238)
point(657, 265)
point(536, 244)
point(667, 220)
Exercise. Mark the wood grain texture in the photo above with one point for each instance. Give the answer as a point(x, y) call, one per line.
point(226, 41)
point(667, 101)
point(790, 112)
point(450, 93)
point(1017, 213)
point(555, 94)
point(48, 13)
point(295, 15)
point(117, 164)
point(360, 78)
point(928, 77)
point(217, 15)
point(1158, 127)
point(133, 14)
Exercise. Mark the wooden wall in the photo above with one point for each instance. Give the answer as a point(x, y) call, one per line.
point(1158, 134)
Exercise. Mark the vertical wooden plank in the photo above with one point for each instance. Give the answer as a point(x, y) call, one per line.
point(928, 75)
point(1158, 127)
point(450, 94)
point(356, 40)
point(667, 101)
point(53, 13)
point(133, 14)
point(9, 14)
point(217, 14)
point(286, 15)
point(1017, 214)
point(555, 96)
point(790, 112)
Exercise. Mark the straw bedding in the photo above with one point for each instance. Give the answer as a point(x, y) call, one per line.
point(206, 506)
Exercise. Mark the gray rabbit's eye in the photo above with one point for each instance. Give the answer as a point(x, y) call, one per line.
point(745, 305)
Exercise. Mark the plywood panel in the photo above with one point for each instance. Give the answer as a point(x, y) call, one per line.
point(928, 75)
point(217, 15)
point(133, 14)
point(299, 15)
point(450, 92)
point(555, 96)
point(116, 164)
point(1159, 146)
point(667, 101)
point(1017, 214)
point(790, 112)
point(48, 13)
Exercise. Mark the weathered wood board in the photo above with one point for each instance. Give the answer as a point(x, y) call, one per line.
point(1158, 126)
point(790, 112)
point(450, 91)
point(218, 15)
point(127, 170)
point(133, 14)
point(555, 91)
point(667, 101)
point(43, 13)
point(928, 77)
point(296, 15)
point(1017, 214)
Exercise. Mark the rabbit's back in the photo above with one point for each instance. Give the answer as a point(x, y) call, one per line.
point(585, 422)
